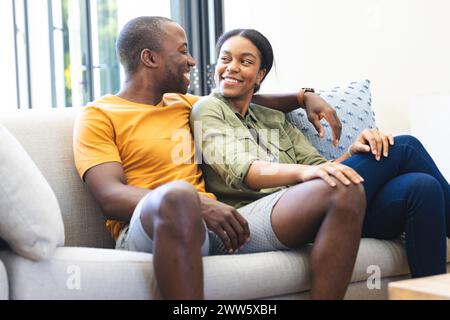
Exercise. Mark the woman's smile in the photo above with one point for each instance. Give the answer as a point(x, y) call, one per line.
point(231, 81)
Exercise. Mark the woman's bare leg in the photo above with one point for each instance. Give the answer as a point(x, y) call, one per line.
point(332, 218)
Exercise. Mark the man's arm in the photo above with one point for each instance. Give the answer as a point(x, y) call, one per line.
point(108, 185)
point(315, 106)
point(118, 200)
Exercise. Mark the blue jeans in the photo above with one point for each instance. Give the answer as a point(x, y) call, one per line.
point(406, 192)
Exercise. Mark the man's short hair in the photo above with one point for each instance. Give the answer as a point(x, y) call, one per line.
point(139, 34)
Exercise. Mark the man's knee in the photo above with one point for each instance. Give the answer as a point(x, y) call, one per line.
point(177, 193)
point(174, 206)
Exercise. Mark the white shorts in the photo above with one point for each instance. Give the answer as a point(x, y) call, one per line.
point(134, 238)
point(258, 215)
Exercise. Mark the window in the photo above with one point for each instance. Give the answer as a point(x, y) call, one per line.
point(8, 76)
point(93, 27)
point(203, 22)
point(63, 54)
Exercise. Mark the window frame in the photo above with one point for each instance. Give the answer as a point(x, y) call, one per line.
point(203, 22)
point(202, 19)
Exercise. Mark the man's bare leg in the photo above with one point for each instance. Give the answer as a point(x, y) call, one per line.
point(171, 216)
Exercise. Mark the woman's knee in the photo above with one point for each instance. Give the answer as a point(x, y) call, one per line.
point(352, 196)
point(408, 140)
point(423, 184)
point(350, 200)
point(423, 191)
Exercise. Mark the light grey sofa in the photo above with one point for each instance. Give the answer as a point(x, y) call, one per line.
point(88, 268)
point(4, 292)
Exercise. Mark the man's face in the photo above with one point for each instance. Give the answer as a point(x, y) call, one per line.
point(175, 75)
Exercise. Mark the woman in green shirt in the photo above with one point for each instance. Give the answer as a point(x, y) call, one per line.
point(241, 169)
point(289, 195)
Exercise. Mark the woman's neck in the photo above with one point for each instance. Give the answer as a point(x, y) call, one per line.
point(241, 104)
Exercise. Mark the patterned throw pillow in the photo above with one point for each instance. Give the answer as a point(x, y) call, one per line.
point(353, 104)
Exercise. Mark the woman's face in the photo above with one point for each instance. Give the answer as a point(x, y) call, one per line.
point(238, 68)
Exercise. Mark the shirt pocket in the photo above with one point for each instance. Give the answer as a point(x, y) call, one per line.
point(246, 144)
point(283, 151)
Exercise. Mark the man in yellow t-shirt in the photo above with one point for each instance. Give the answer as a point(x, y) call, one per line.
point(142, 139)
point(135, 152)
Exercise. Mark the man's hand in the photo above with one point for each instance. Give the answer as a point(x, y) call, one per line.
point(226, 222)
point(372, 140)
point(317, 109)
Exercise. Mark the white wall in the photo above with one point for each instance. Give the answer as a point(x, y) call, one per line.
point(434, 134)
point(402, 46)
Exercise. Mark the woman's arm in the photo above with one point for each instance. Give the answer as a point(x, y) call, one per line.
point(316, 109)
point(282, 102)
point(262, 174)
point(287, 102)
point(268, 175)
point(310, 164)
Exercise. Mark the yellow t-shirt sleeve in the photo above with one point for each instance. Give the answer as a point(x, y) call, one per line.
point(191, 98)
point(93, 140)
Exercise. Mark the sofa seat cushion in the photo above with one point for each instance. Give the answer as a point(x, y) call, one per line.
point(87, 273)
point(30, 217)
point(4, 289)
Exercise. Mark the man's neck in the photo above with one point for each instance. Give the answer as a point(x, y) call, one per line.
point(140, 92)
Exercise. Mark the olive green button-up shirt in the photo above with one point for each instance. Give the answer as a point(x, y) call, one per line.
point(230, 143)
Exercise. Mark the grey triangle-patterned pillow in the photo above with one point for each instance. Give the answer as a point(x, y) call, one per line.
point(353, 104)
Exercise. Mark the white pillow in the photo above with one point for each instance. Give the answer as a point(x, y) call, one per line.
point(30, 217)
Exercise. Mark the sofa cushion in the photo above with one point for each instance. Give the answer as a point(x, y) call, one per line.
point(30, 218)
point(87, 273)
point(353, 105)
point(4, 289)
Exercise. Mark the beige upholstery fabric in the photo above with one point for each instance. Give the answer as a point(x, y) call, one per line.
point(355, 291)
point(47, 137)
point(30, 218)
point(87, 273)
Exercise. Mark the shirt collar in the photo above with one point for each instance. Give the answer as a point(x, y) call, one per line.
point(250, 112)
